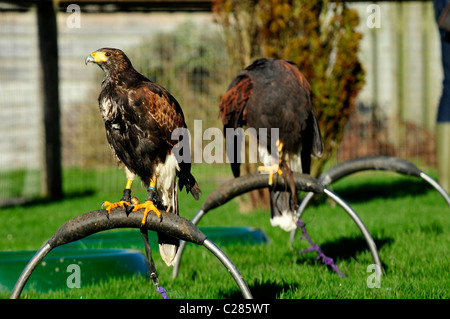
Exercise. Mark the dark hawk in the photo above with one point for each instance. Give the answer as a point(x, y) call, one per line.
point(139, 117)
point(274, 94)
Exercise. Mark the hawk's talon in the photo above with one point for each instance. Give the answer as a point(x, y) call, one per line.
point(275, 168)
point(149, 206)
point(109, 206)
point(129, 209)
point(270, 170)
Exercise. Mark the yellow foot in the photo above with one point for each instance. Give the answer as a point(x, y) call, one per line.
point(108, 205)
point(270, 170)
point(149, 206)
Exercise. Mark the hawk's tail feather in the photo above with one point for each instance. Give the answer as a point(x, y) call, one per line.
point(168, 245)
point(317, 142)
point(191, 185)
point(283, 204)
point(168, 248)
point(195, 191)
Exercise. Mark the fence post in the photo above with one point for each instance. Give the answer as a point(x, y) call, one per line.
point(429, 120)
point(51, 180)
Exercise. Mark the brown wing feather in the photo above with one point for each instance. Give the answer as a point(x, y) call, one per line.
point(312, 136)
point(296, 74)
point(160, 106)
point(232, 104)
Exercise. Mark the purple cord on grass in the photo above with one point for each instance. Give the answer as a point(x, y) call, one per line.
point(162, 291)
point(314, 247)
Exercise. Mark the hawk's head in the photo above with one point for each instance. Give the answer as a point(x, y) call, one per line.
point(110, 60)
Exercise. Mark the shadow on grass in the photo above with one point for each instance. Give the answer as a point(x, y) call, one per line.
point(350, 247)
point(28, 202)
point(363, 192)
point(344, 249)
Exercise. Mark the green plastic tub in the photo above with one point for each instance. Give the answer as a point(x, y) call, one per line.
point(100, 256)
point(70, 268)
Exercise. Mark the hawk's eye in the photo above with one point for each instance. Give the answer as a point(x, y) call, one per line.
point(108, 53)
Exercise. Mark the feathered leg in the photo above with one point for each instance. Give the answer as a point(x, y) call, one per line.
point(125, 201)
point(275, 168)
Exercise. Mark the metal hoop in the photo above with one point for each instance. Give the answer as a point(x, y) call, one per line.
point(243, 184)
point(96, 221)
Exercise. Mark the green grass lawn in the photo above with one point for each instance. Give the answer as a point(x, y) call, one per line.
point(407, 218)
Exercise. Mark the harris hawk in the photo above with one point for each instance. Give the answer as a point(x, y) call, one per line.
point(274, 94)
point(139, 117)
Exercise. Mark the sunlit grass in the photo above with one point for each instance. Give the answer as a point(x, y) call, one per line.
point(406, 217)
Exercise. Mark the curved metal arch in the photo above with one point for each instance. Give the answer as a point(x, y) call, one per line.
point(384, 163)
point(96, 221)
point(243, 184)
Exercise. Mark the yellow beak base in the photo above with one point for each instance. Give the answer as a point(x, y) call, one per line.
point(96, 57)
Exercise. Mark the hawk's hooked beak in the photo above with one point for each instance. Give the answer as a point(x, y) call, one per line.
point(95, 57)
point(89, 58)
